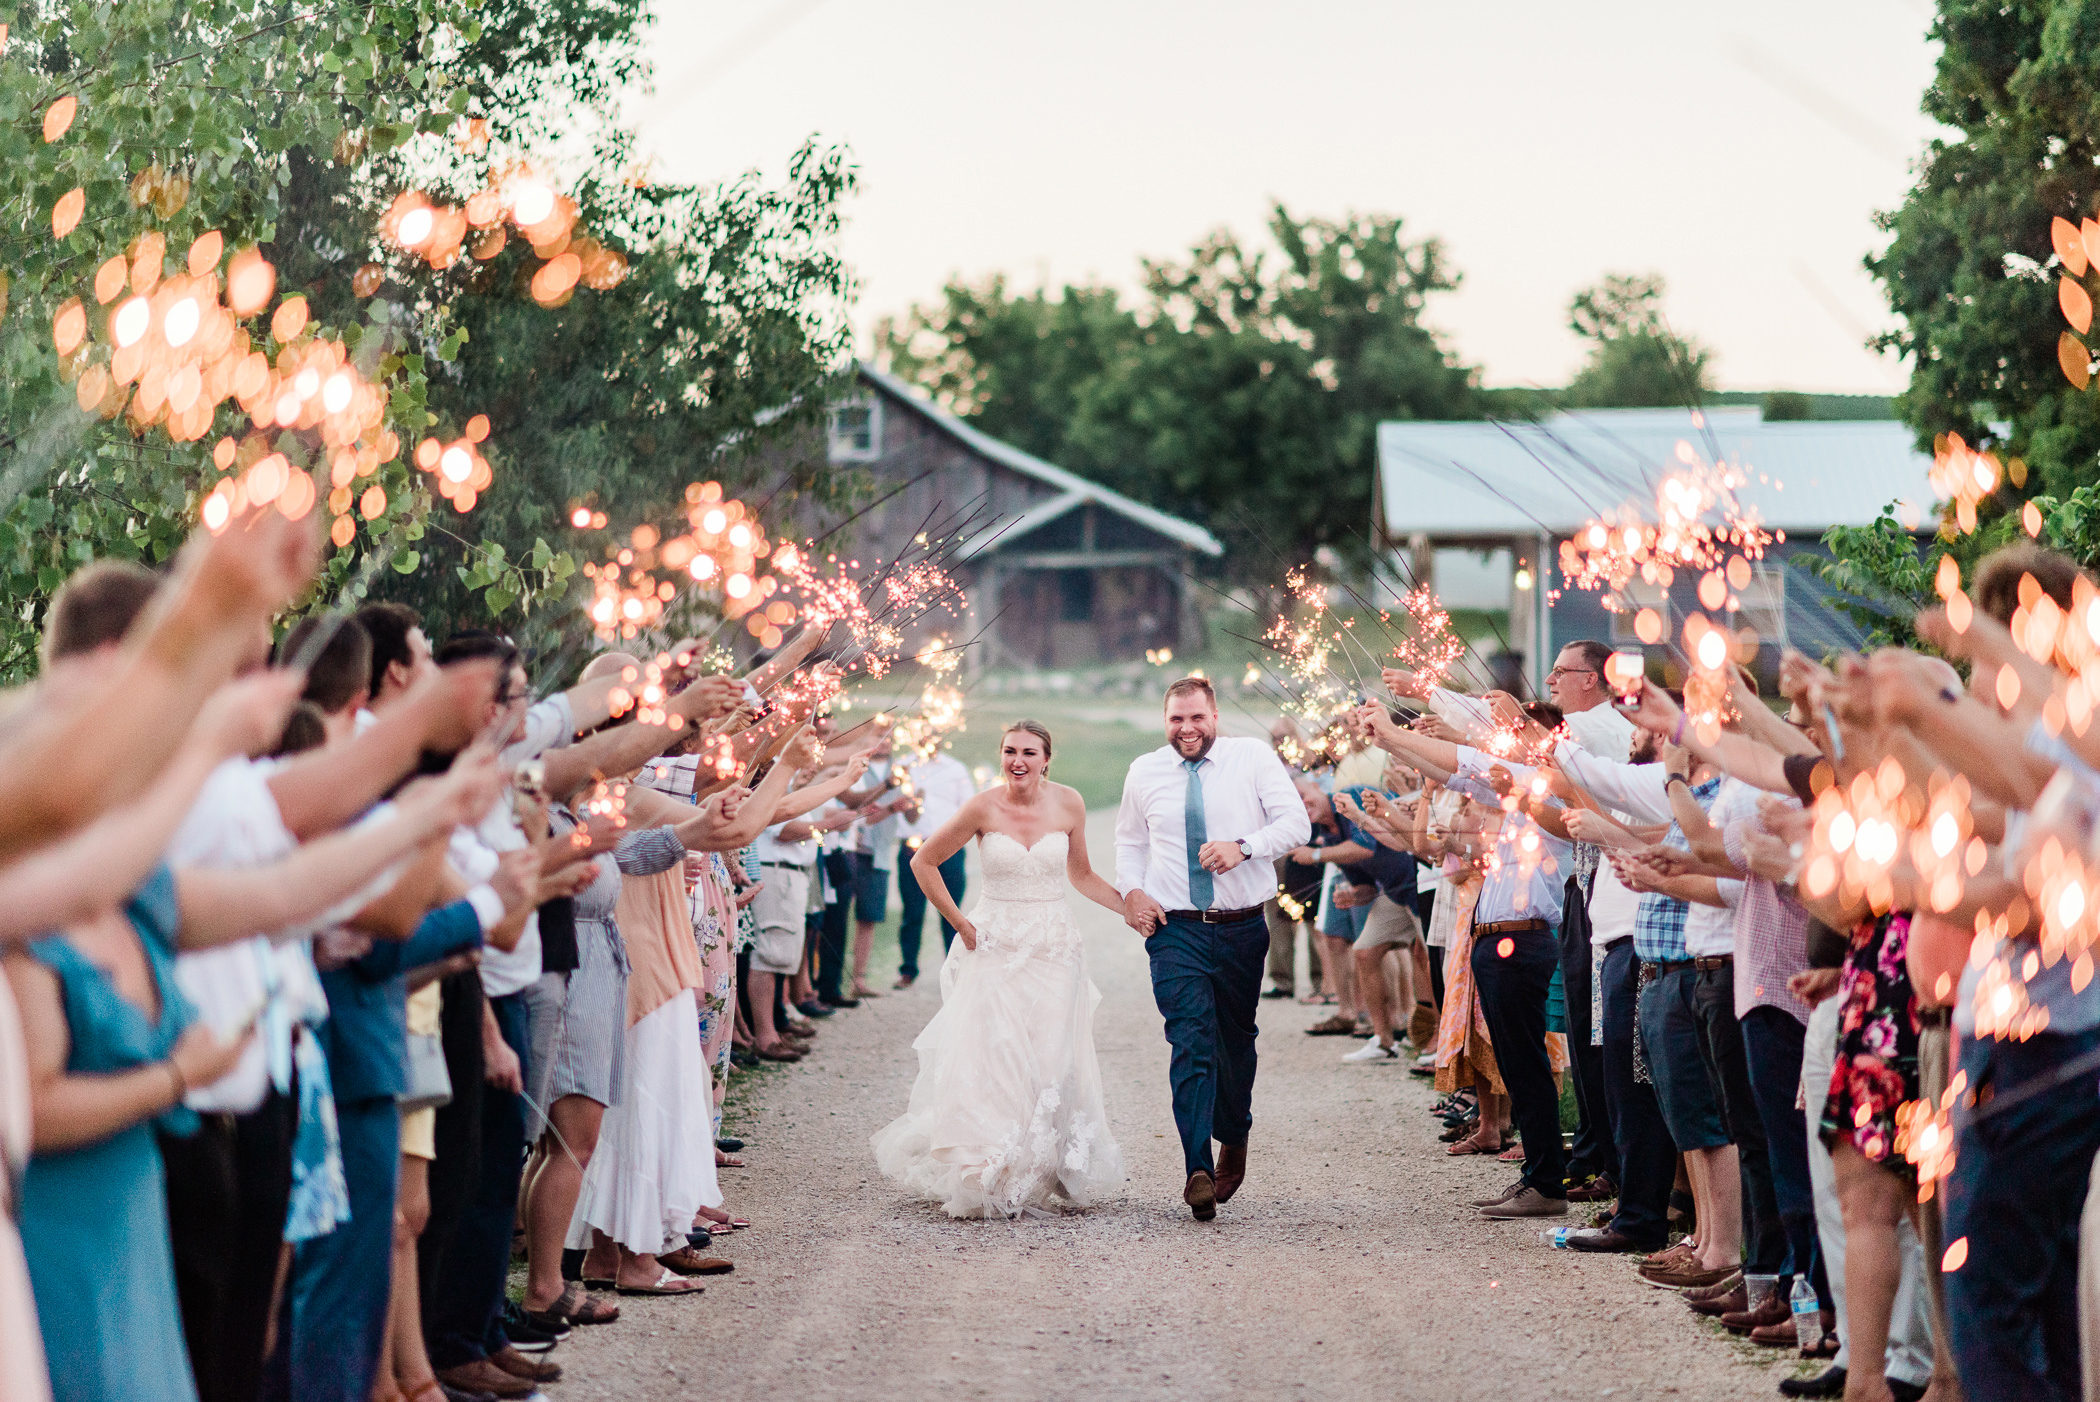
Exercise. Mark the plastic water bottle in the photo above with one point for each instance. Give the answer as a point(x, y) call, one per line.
point(1808, 1314)
point(1556, 1238)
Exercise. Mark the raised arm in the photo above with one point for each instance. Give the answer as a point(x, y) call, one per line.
point(949, 839)
point(1755, 762)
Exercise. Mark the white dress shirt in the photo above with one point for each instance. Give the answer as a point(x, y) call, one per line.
point(1531, 880)
point(1638, 790)
point(475, 852)
point(943, 785)
point(1247, 794)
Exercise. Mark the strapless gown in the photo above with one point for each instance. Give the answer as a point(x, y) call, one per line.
point(1006, 1115)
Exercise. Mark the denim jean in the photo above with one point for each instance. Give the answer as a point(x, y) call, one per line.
point(1513, 987)
point(1647, 1155)
point(340, 1283)
point(2018, 1186)
point(1728, 1074)
point(466, 1311)
point(840, 871)
point(1772, 1042)
point(1206, 980)
point(911, 909)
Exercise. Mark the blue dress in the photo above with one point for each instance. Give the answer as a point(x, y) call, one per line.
point(95, 1219)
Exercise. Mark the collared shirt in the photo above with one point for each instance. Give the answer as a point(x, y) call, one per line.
point(1641, 791)
point(1613, 906)
point(1709, 930)
point(475, 852)
point(1247, 795)
point(1531, 880)
point(1771, 929)
point(772, 850)
point(1658, 928)
point(943, 785)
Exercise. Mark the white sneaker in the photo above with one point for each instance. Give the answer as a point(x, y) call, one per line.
point(1374, 1050)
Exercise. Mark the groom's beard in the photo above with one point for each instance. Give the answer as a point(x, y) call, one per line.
point(1201, 751)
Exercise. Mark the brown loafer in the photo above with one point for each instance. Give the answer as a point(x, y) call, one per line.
point(1201, 1195)
point(1728, 1299)
point(1780, 1335)
point(1595, 1190)
point(484, 1376)
point(1689, 1275)
point(1232, 1170)
point(686, 1261)
point(1770, 1310)
point(1605, 1240)
point(532, 1370)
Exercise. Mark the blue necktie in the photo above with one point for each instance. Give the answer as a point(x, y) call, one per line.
point(1198, 833)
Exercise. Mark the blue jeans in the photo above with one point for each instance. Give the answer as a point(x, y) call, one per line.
point(1207, 982)
point(911, 912)
point(1647, 1154)
point(1772, 1043)
point(1512, 988)
point(2018, 1185)
point(341, 1283)
point(1721, 1047)
point(464, 1318)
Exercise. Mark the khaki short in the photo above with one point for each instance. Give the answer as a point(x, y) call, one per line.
point(1389, 922)
point(779, 910)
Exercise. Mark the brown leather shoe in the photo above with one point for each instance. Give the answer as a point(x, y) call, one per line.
point(1770, 1310)
point(1604, 1240)
point(782, 1050)
point(1232, 1170)
point(686, 1261)
point(1780, 1335)
point(1597, 1189)
point(532, 1370)
point(1689, 1275)
point(1201, 1195)
point(1527, 1202)
point(484, 1376)
point(1727, 1298)
point(1669, 1255)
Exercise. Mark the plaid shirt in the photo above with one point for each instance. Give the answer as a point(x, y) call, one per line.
point(1658, 926)
point(1771, 931)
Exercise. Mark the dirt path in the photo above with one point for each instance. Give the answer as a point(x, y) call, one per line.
point(1349, 1266)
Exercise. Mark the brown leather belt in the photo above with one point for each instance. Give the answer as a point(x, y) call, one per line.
point(1655, 969)
point(1216, 917)
point(1508, 927)
point(1708, 963)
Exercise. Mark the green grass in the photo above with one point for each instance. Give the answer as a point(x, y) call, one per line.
point(1090, 754)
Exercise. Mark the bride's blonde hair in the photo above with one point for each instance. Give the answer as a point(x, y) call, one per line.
point(1032, 727)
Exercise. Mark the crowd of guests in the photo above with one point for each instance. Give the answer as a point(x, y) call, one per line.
point(1852, 1118)
point(342, 972)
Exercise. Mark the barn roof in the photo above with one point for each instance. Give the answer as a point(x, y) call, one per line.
point(1501, 479)
point(1073, 490)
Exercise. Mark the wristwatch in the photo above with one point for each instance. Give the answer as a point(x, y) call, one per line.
point(1676, 779)
point(1245, 850)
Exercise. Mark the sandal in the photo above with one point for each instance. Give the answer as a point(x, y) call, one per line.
point(1513, 1154)
point(574, 1307)
point(1336, 1026)
point(1470, 1145)
point(723, 1160)
point(667, 1283)
point(1318, 1000)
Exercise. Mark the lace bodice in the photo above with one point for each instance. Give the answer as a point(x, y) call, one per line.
point(1016, 873)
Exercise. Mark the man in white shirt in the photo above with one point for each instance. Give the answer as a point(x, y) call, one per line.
point(1202, 823)
point(942, 786)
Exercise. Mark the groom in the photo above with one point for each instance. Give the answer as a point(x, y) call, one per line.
point(1202, 823)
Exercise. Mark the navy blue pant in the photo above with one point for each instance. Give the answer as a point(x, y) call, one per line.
point(1513, 973)
point(1593, 1153)
point(1727, 1072)
point(911, 913)
point(464, 1319)
point(839, 870)
point(1647, 1155)
point(1772, 1044)
point(1207, 982)
point(2018, 1186)
point(341, 1283)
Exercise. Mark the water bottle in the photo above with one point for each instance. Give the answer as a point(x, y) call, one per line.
point(1557, 1238)
point(1808, 1314)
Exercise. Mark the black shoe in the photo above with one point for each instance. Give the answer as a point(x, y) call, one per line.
point(527, 1337)
point(699, 1239)
point(816, 1008)
point(728, 1143)
point(1906, 1392)
point(739, 1057)
point(1608, 1240)
point(1279, 993)
point(832, 1005)
point(1828, 1383)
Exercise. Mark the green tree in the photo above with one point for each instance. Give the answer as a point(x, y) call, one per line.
point(1243, 390)
point(292, 130)
point(1636, 360)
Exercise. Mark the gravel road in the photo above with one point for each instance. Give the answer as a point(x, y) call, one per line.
point(1348, 1266)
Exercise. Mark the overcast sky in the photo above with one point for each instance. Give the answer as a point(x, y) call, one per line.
point(1740, 151)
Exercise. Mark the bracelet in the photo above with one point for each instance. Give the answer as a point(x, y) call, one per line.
point(1676, 779)
point(1677, 735)
point(182, 1082)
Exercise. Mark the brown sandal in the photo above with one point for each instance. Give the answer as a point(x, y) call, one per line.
point(1470, 1145)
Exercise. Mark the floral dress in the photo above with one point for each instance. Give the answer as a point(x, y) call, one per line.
point(1877, 1055)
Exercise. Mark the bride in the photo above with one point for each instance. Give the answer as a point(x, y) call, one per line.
point(1007, 1108)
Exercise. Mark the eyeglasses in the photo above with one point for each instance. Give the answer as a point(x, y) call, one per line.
point(1558, 672)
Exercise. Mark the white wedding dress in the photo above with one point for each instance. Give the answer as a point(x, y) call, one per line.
point(1007, 1113)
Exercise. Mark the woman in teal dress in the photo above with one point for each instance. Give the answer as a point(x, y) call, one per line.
point(112, 1049)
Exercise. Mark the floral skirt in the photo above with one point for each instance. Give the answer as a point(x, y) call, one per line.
point(1876, 1071)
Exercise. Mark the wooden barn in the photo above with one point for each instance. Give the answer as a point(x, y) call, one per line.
point(1059, 571)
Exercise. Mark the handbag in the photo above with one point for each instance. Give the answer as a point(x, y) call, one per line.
point(429, 1083)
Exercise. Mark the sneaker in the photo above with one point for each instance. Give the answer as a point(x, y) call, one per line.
point(1374, 1050)
point(1504, 1196)
point(1527, 1202)
point(527, 1337)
